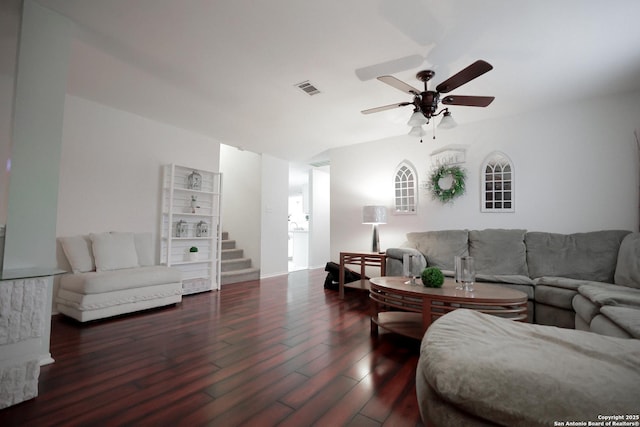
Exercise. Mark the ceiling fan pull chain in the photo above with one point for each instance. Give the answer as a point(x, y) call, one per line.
point(434, 129)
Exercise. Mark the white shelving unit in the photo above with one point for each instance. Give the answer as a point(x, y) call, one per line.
point(191, 217)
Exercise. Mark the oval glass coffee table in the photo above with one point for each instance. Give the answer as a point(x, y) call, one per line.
point(417, 306)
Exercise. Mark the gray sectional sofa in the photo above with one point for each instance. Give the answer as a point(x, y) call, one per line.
point(588, 281)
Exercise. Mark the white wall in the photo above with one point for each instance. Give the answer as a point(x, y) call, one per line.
point(320, 222)
point(576, 169)
point(241, 199)
point(111, 168)
point(275, 206)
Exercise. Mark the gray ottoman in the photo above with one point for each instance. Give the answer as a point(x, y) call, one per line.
point(478, 369)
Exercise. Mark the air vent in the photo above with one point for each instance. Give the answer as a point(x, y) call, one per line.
point(308, 88)
point(320, 163)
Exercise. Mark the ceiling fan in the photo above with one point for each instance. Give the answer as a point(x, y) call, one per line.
point(425, 103)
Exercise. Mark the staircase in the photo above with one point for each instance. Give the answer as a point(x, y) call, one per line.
point(234, 267)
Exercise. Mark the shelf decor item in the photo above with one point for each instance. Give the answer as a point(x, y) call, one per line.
point(193, 254)
point(194, 204)
point(194, 181)
point(202, 229)
point(182, 228)
point(432, 277)
point(467, 273)
point(446, 183)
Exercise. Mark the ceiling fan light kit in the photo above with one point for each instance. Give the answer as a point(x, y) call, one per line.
point(417, 131)
point(447, 121)
point(417, 119)
point(426, 103)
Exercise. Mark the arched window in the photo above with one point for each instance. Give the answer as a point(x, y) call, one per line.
point(497, 184)
point(405, 184)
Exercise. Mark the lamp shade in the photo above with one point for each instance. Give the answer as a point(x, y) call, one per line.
point(417, 131)
point(374, 215)
point(417, 119)
point(447, 121)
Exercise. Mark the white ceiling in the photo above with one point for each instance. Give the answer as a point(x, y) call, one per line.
point(227, 69)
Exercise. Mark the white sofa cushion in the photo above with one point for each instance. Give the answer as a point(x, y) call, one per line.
point(144, 248)
point(114, 251)
point(87, 302)
point(128, 278)
point(79, 252)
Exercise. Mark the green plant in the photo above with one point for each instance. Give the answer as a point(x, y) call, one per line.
point(193, 249)
point(432, 277)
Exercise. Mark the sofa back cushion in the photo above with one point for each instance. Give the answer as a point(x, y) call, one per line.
point(440, 247)
point(114, 251)
point(499, 252)
point(79, 253)
point(144, 249)
point(587, 256)
point(628, 265)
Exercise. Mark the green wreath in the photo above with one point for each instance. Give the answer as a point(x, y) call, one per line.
point(457, 187)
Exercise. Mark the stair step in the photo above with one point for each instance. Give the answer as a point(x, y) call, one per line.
point(231, 254)
point(237, 276)
point(225, 235)
point(235, 264)
point(228, 244)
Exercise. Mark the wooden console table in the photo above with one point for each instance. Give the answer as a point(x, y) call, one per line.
point(418, 306)
point(362, 259)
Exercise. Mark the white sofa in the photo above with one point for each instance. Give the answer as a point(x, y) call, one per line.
point(114, 273)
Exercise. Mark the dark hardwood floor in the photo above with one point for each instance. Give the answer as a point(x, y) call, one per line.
point(280, 351)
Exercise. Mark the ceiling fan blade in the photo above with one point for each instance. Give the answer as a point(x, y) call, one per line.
point(389, 67)
point(474, 70)
point(469, 101)
point(386, 107)
point(399, 84)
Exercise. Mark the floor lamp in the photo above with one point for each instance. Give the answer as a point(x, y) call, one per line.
point(374, 215)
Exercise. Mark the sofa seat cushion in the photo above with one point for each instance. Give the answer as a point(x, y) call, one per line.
point(555, 296)
point(440, 247)
point(611, 295)
point(88, 302)
point(559, 291)
point(514, 279)
point(498, 251)
point(587, 256)
point(565, 283)
point(625, 317)
point(512, 373)
point(128, 278)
